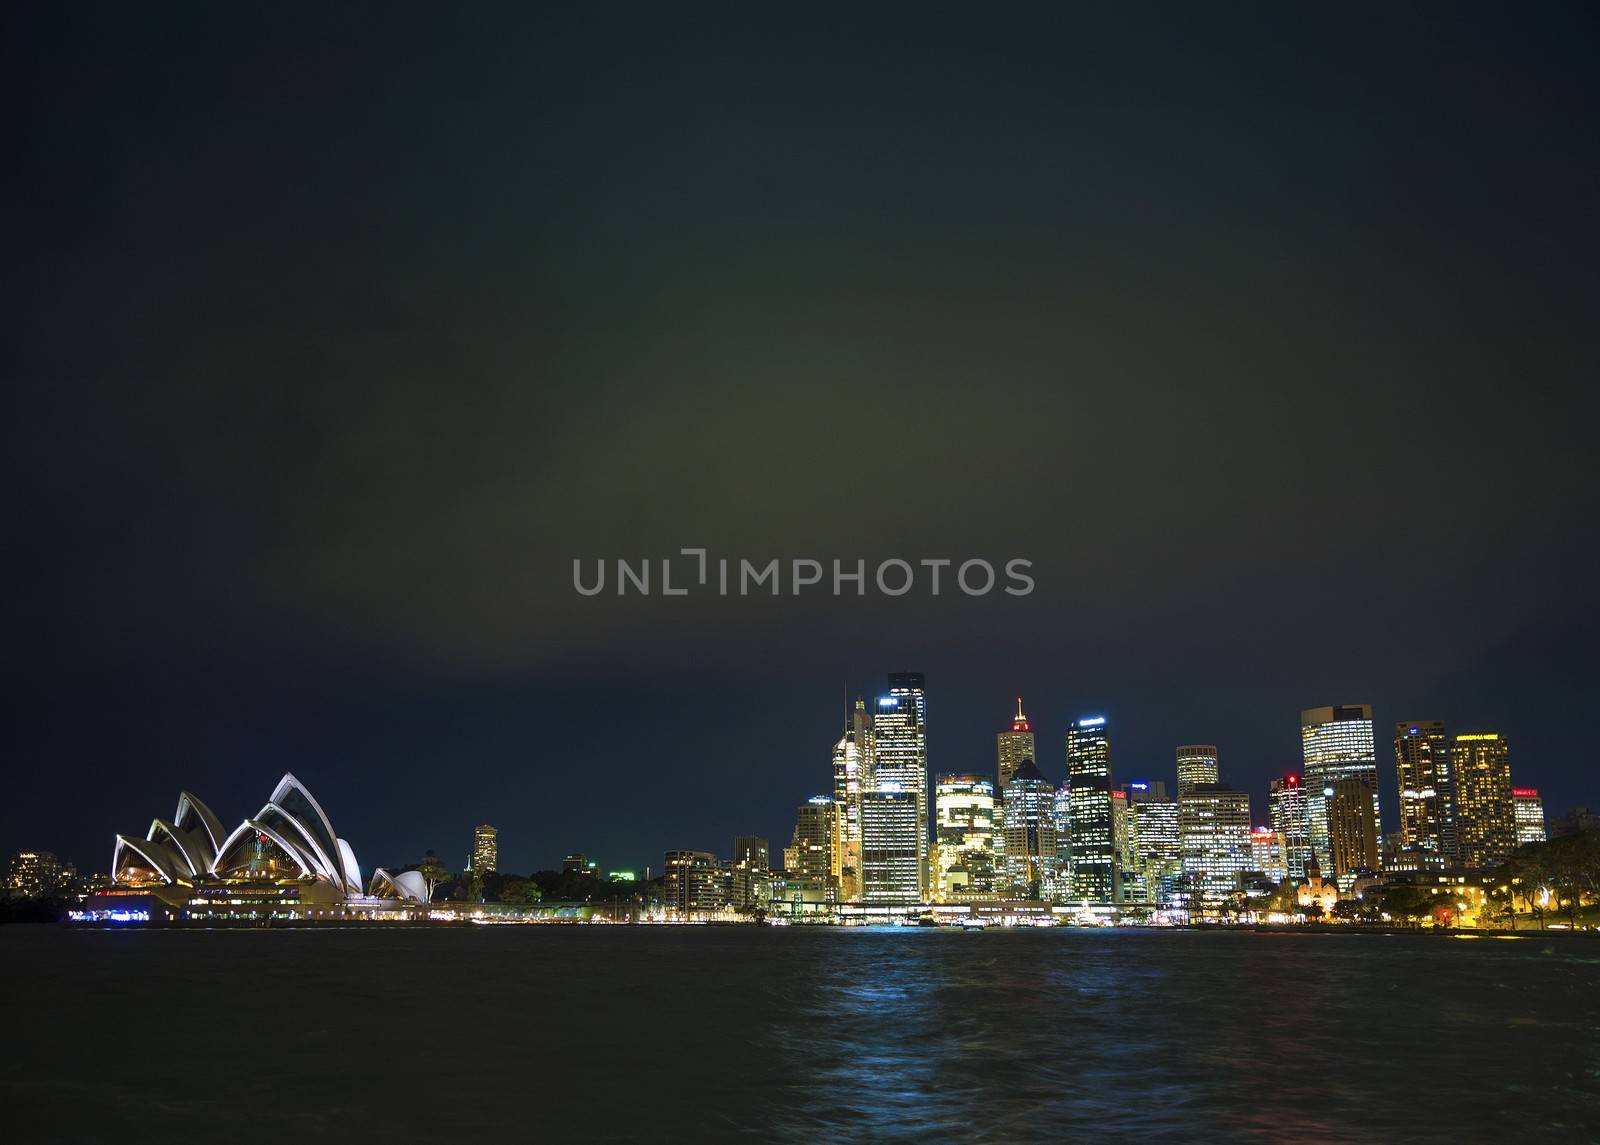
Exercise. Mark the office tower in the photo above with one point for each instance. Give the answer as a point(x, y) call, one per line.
point(693, 882)
point(964, 828)
point(753, 851)
point(1093, 846)
point(1286, 808)
point(750, 873)
point(485, 849)
point(900, 744)
point(1032, 855)
point(893, 831)
point(1160, 850)
point(1352, 833)
point(1266, 853)
point(1197, 763)
point(36, 874)
point(1528, 812)
point(851, 771)
point(1336, 743)
point(1486, 820)
point(1427, 795)
point(1014, 746)
point(812, 855)
point(1132, 887)
point(1214, 827)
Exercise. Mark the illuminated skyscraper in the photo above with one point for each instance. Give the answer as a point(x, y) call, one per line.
point(1131, 885)
point(1286, 807)
point(1337, 744)
point(1014, 746)
point(1093, 845)
point(485, 849)
point(1486, 818)
point(750, 873)
point(1528, 811)
point(1266, 853)
point(1352, 833)
point(900, 749)
point(1427, 795)
point(891, 842)
point(812, 857)
point(851, 772)
point(1032, 857)
point(964, 829)
point(1197, 763)
point(1160, 851)
point(1214, 825)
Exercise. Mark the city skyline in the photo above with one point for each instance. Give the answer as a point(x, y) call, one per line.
point(1205, 764)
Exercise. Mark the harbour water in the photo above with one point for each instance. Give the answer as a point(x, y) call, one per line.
point(499, 1034)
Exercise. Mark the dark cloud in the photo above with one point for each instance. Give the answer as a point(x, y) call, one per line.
point(336, 338)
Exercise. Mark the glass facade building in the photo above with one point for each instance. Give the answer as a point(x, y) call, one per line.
point(1426, 790)
point(1336, 743)
point(1092, 848)
point(964, 830)
point(1486, 827)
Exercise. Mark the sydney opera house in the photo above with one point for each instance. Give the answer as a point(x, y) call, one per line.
point(285, 862)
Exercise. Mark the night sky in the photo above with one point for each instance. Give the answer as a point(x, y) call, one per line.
point(1268, 336)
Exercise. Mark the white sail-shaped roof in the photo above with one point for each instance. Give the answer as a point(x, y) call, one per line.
point(190, 846)
point(241, 834)
point(352, 869)
point(192, 814)
point(193, 843)
point(147, 854)
point(404, 885)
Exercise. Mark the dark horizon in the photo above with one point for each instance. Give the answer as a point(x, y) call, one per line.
point(1267, 338)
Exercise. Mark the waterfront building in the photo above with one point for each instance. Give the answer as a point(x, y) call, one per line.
point(1352, 834)
point(485, 850)
point(1286, 807)
point(1014, 746)
point(1528, 813)
point(1032, 854)
point(852, 771)
point(1427, 793)
point(1159, 845)
point(1486, 827)
point(900, 750)
point(1214, 827)
point(285, 862)
point(752, 850)
point(1131, 884)
point(693, 883)
point(964, 830)
point(1266, 853)
point(1197, 763)
point(37, 875)
point(891, 846)
point(1336, 743)
point(812, 856)
point(749, 873)
point(1093, 844)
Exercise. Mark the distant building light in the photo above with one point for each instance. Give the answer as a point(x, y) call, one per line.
point(1091, 721)
point(888, 702)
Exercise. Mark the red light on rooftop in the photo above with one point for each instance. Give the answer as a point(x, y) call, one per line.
point(1292, 780)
